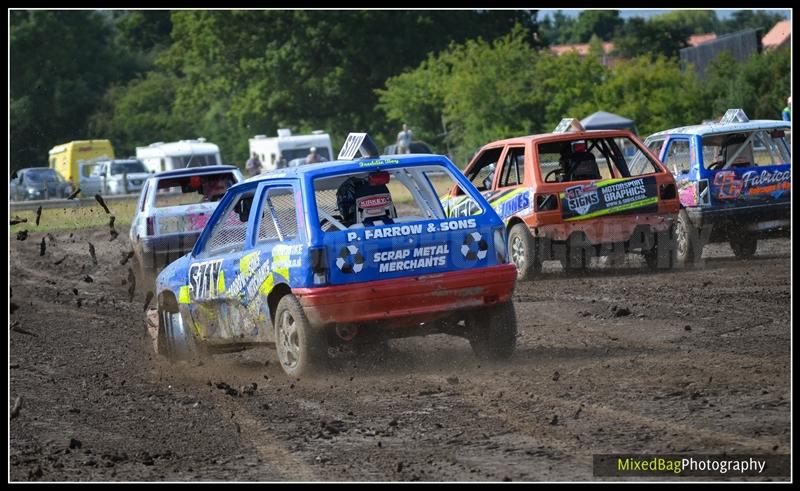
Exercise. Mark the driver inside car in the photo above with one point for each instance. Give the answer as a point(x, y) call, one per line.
point(366, 201)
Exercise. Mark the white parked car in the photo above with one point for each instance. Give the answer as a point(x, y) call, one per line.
point(172, 210)
point(108, 177)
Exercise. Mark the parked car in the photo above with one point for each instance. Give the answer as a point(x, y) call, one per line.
point(173, 208)
point(35, 183)
point(572, 194)
point(110, 177)
point(734, 182)
point(416, 147)
point(343, 252)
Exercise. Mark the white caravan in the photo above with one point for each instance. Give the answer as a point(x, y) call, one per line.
point(160, 156)
point(278, 151)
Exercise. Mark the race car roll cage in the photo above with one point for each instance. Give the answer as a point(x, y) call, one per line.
point(412, 179)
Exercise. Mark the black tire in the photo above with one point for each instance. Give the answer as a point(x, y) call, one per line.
point(302, 350)
point(663, 254)
point(577, 255)
point(493, 332)
point(687, 241)
point(744, 245)
point(176, 341)
point(523, 252)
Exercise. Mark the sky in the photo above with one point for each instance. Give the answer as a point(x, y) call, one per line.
point(721, 13)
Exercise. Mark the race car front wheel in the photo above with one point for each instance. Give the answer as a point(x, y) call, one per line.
point(493, 332)
point(302, 350)
point(174, 341)
point(523, 252)
point(687, 242)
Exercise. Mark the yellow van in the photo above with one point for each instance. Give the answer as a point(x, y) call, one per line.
point(64, 158)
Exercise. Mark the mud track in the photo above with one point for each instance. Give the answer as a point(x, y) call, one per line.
point(616, 360)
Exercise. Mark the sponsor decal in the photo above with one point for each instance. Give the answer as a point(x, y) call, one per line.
point(412, 258)
point(727, 185)
point(380, 201)
point(350, 260)
point(752, 184)
point(411, 229)
point(581, 198)
point(518, 202)
point(609, 197)
point(474, 247)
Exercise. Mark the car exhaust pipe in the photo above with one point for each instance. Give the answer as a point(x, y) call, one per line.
point(346, 333)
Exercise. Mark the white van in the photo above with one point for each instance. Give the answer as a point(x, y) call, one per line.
point(160, 156)
point(278, 151)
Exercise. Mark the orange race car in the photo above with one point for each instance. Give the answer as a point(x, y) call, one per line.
point(572, 194)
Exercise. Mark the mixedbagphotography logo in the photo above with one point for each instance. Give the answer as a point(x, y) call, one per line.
point(679, 465)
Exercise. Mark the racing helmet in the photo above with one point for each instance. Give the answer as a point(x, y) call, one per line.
point(366, 201)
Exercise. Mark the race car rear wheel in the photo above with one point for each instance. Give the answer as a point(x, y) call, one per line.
point(744, 245)
point(524, 252)
point(302, 350)
point(175, 342)
point(577, 255)
point(493, 332)
point(663, 254)
point(686, 241)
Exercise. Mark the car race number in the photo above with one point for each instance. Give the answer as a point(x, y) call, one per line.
point(204, 278)
point(612, 196)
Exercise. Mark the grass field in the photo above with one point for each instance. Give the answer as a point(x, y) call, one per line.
point(57, 219)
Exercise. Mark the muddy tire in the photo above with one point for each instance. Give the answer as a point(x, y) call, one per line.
point(493, 332)
point(523, 252)
point(744, 245)
point(302, 350)
point(175, 341)
point(663, 254)
point(577, 255)
point(687, 241)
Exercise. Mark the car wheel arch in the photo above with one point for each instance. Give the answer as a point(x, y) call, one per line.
point(274, 297)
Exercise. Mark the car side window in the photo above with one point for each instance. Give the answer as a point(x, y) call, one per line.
point(678, 158)
point(513, 172)
point(278, 220)
point(230, 230)
point(655, 147)
point(482, 173)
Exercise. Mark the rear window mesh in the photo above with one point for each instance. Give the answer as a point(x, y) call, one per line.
point(279, 207)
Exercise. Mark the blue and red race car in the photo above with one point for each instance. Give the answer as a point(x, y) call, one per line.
point(734, 182)
point(351, 251)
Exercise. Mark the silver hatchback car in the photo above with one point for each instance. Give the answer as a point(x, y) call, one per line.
point(172, 210)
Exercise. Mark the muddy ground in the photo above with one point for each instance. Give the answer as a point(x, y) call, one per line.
point(618, 360)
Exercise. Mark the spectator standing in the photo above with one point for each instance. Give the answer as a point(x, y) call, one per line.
point(404, 140)
point(253, 166)
point(787, 111)
point(314, 156)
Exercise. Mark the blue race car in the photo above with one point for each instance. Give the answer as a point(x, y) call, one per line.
point(346, 252)
point(734, 182)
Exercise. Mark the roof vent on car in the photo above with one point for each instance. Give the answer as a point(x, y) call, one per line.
point(568, 125)
point(734, 116)
point(358, 142)
point(284, 132)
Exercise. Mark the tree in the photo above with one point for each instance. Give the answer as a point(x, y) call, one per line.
point(751, 19)
point(657, 36)
point(759, 85)
point(654, 92)
point(61, 63)
point(600, 23)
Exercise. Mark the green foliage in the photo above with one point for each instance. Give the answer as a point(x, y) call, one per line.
point(651, 91)
point(60, 65)
point(759, 85)
point(750, 19)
